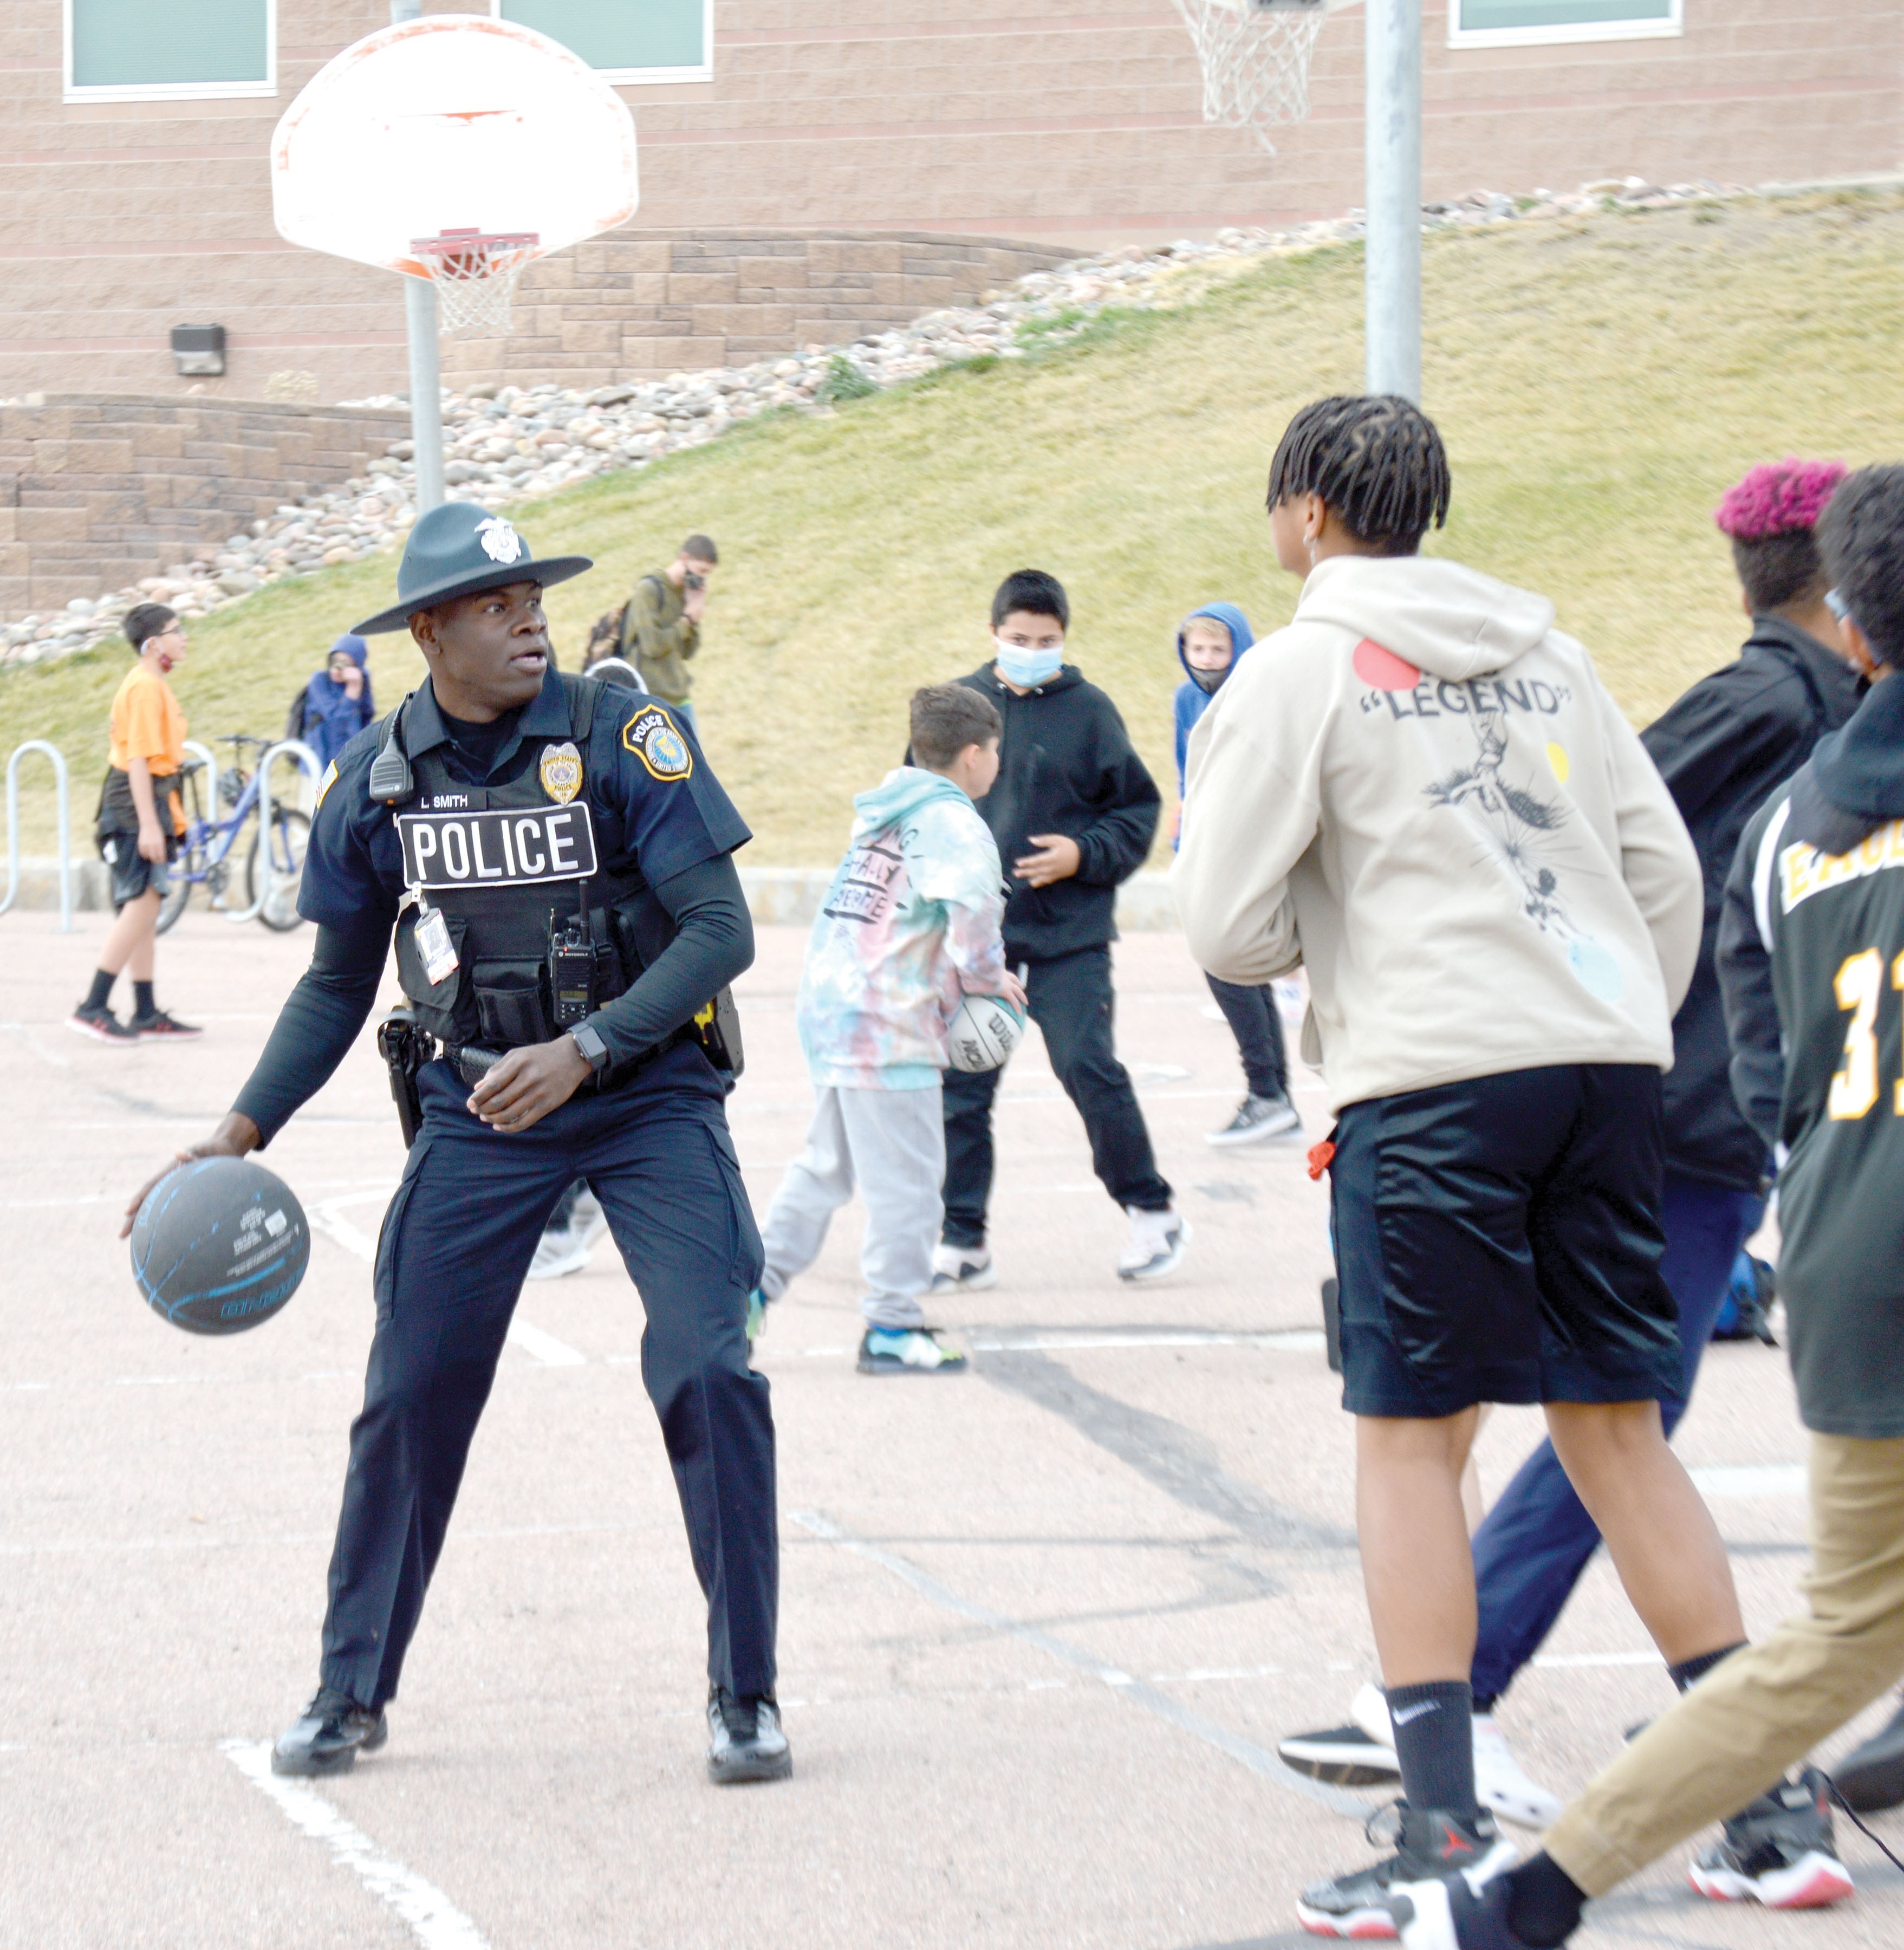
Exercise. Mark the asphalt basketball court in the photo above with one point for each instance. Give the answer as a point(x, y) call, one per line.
point(1041, 1625)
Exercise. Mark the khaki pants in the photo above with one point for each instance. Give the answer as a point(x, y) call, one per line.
point(1743, 1725)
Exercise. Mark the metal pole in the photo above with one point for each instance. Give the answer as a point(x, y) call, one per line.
point(425, 376)
point(1394, 196)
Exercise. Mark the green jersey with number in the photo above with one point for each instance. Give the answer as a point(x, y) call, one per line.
point(1815, 930)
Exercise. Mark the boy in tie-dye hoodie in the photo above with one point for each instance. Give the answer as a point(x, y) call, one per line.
point(910, 925)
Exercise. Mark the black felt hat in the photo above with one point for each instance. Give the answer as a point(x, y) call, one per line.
point(458, 549)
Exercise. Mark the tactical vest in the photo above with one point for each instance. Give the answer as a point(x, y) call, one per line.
point(491, 859)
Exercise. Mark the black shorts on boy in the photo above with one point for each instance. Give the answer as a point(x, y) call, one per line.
point(1498, 1240)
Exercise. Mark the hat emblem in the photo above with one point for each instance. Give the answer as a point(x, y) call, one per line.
point(501, 542)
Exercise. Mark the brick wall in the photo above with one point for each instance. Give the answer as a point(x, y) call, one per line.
point(633, 305)
point(96, 493)
point(1038, 120)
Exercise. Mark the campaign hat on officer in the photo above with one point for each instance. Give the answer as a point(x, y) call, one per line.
point(458, 549)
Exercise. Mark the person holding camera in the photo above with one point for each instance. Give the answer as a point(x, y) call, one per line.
point(661, 626)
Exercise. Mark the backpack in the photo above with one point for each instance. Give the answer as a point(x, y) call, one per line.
point(294, 719)
point(605, 636)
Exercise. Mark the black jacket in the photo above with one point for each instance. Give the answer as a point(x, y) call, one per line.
point(1811, 950)
point(1722, 749)
point(1066, 765)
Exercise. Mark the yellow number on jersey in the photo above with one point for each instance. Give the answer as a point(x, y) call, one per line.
point(1859, 983)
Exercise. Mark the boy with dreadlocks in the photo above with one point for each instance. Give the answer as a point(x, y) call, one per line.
point(1420, 791)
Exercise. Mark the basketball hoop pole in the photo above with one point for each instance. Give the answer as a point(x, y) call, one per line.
point(1394, 196)
point(425, 374)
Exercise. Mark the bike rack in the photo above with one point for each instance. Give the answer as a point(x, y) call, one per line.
point(208, 758)
point(65, 828)
point(306, 759)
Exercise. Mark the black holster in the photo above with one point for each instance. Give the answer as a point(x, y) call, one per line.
point(406, 1046)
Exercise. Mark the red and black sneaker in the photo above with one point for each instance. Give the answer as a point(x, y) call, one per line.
point(161, 1028)
point(102, 1025)
point(1430, 1843)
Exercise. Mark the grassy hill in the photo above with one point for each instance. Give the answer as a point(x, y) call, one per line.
point(1600, 382)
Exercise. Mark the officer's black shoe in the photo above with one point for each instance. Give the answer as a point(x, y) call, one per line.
point(747, 1743)
point(328, 1736)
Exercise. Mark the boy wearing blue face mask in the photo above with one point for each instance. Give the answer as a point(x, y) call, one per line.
point(1210, 644)
point(1073, 812)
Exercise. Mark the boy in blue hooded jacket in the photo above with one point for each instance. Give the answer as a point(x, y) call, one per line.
point(1210, 643)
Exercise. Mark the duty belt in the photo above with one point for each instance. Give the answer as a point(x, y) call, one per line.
point(472, 1063)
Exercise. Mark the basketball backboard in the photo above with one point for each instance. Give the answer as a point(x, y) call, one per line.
point(452, 121)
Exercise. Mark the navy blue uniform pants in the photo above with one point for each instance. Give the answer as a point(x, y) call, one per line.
point(456, 1243)
point(1070, 1000)
point(1535, 1542)
point(1252, 1015)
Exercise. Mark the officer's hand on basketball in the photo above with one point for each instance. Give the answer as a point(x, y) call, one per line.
point(1057, 858)
point(528, 1083)
point(235, 1136)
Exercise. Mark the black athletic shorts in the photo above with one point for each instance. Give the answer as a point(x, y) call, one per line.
point(132, 873)
point(1498, 1240)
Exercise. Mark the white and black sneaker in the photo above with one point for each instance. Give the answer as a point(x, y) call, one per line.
point(1257, 1119)
point(962, 1269)
point(1431, 1845)
point(1343, 1756)
point(745, 1739)
point(1780, 1851)
point(1157, 1243)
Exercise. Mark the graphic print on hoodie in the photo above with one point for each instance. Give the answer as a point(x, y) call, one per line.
point(1420, 790)
point(909, 924)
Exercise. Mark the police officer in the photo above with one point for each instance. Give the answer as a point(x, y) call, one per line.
point(555, 858)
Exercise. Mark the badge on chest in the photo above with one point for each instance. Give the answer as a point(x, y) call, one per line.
point(498, 849)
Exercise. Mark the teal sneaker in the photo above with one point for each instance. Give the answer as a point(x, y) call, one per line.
point(756, 1316)
point(908, 1350)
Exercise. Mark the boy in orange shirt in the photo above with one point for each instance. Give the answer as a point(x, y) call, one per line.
point(140, 823)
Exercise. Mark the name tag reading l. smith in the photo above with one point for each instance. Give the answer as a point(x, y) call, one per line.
point(497, 850)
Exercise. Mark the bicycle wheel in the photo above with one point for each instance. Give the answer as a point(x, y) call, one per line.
point(290, 835)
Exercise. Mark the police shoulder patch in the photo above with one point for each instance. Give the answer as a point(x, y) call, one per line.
point(325, 784)
point(650, 734)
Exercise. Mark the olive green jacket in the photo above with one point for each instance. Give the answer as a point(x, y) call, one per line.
point(662, 637)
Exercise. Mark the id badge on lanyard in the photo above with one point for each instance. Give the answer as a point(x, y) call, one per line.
point(433, 942)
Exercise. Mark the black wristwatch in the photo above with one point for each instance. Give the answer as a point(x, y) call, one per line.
point(591, 1045)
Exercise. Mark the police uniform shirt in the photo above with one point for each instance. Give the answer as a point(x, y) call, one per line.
point(657, 807)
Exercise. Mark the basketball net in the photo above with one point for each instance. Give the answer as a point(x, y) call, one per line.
point(1255, 60)
point(475, 274)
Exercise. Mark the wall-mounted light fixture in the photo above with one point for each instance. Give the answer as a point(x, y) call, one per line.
point(199, 350)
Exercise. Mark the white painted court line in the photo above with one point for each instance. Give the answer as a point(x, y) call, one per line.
point(434, 1919)
point(534, 1341)
point(1750, 1479)
point(1276, 1340)
point(1259, 1760)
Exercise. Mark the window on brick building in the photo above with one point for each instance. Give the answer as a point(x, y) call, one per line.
point(136, 51)
point(626, 40)
point(1499, 23)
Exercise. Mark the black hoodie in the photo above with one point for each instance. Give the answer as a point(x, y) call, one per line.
point(1066, 765)
point(1727, 743)
point(1812, 960)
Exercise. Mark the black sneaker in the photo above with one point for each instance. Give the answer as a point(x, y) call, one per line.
point(1780, 1852)
point(159, 1027)
point(328, 1736)
point(1871, 1777)
point(1431, 1845)
point(1344, 1755)
point(1257, 1119)
point(747, 1742)
point(102, 1025)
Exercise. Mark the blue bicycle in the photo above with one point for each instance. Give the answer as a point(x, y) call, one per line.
point(204, 857)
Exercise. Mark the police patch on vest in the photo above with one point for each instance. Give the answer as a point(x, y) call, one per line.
point(561, 772)
point(650, 735)
point(497, 850)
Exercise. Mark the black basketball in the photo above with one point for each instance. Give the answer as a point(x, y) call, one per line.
point(219, 1245)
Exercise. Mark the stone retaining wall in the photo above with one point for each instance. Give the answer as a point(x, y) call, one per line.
point(643, 303)
point(97, 492)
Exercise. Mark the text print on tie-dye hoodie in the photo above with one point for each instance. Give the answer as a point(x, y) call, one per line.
point(910, 923)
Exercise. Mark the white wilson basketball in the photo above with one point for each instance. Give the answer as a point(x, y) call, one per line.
point(984, 1031)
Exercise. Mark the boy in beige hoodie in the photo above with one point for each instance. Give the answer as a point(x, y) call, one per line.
point(1420, 792)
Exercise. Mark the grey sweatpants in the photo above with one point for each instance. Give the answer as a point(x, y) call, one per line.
point(892, 1144)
